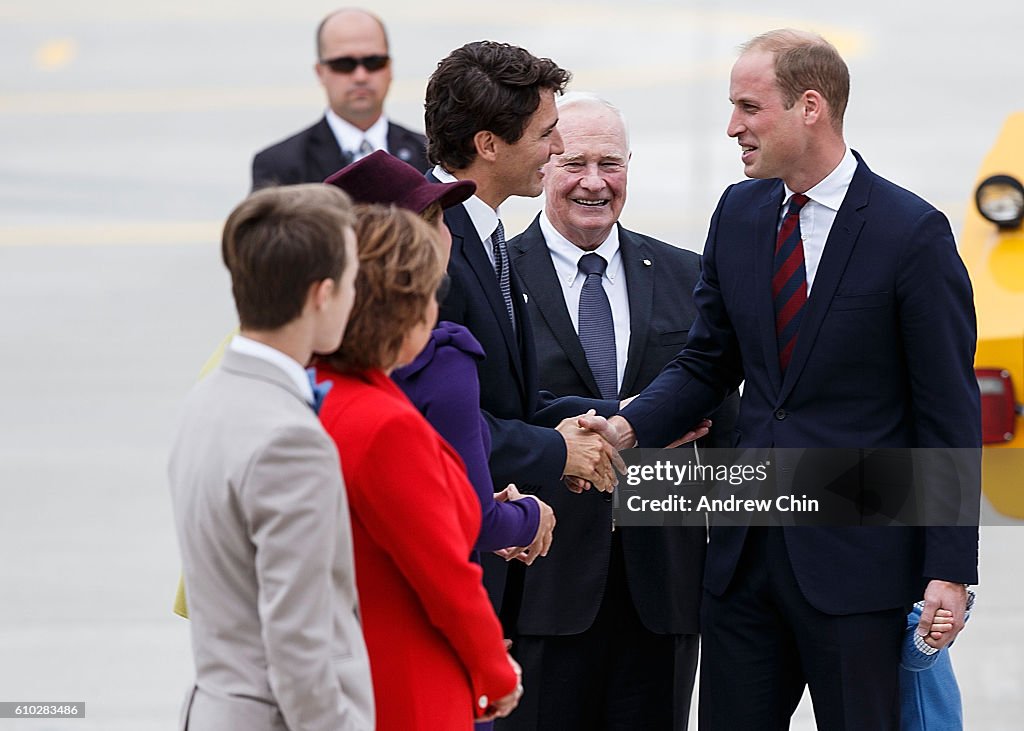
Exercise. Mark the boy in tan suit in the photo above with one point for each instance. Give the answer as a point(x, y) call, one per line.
point(259, 504)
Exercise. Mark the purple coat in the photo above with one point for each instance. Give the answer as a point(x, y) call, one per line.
point(443, 384)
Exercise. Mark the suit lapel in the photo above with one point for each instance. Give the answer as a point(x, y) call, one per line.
point(838, 247)
point(472, 249)
point(533, 264)
point(640, 284)
point(764, 262)
point(325, 157)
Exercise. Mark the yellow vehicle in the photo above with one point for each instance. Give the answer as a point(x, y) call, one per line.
point(992, 246)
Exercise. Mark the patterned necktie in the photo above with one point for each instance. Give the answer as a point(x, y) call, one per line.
point(789, 283)
point(364, 149)
point(319, 390)
point(501, 270)
point(597, 330)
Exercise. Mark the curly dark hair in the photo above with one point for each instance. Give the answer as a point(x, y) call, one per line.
point(484, 86)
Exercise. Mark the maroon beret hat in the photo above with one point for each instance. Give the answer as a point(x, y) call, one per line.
point(384, 179)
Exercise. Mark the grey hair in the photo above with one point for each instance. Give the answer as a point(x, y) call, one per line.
point(589, 99)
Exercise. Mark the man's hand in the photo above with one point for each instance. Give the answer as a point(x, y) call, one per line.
point(587, 455)
point(616, 430)
point(504, 706)
point(943, 595)
point(576, 484)
point(698, 432)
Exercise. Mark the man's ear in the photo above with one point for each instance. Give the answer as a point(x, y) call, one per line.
point(486, 144)
point(815, 108)
point(320, 294)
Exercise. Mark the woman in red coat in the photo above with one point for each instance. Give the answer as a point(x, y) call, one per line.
point(436, 650)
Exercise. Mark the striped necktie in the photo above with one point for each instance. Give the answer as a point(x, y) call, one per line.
point(789, 283)
point(597, 330)
point(501, 269)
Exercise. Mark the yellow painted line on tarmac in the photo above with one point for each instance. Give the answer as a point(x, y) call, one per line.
point(114, 233)
point(56, 54)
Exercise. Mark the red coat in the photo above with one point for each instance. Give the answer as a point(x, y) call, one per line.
point(435, 644)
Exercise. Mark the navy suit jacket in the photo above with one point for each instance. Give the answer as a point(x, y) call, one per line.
point(313, 154)
point(884, 358)
point(523, 451)
point(563, 592)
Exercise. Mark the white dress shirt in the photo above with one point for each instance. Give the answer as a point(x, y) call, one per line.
point(484, 218)
point(566, 256)
point(350, 138)
point(294, 369)
point(819, 213)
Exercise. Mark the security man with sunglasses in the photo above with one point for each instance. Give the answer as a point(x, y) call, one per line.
point(355, 70)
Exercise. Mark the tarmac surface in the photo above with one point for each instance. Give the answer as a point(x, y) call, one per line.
point(126, 133)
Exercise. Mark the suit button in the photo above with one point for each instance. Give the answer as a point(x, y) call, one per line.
point(781, 414)
point(483, 701)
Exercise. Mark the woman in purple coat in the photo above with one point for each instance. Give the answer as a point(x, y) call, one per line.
point(442, 382)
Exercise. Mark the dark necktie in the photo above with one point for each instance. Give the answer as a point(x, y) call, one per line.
point(789, 283)
point(319, 390)
point(501, 270)
point(597, 330)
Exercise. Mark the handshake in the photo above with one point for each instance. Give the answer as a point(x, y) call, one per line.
point(592, 445)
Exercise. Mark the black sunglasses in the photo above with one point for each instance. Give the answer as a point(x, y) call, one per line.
point(348, 64)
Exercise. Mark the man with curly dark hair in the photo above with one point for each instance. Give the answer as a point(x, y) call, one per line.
point(491, 118)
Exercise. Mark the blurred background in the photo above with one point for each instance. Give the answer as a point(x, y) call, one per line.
point(126, 134)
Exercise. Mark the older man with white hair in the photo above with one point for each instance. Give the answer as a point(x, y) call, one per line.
point(607, 630)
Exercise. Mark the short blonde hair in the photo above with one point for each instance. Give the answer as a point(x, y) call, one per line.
point(400, 268)
point(805, 61)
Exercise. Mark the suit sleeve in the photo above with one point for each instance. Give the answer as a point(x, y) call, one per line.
point(552, 409)
point(409, 510)
point(696, 381)
point(294, 532)
point(454, 410)
point(525, 454)
point(937, 322)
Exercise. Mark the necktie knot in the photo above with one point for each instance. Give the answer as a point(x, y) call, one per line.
point(365, 148)
point(592, 264)
point(796, 203)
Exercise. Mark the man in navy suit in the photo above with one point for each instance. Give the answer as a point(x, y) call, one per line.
point(491, 118)
point(354, 67)
point(840, 301)
point(612, 614)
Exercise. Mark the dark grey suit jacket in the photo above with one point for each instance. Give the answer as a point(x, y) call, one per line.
point(313, 154)
point(664, 566)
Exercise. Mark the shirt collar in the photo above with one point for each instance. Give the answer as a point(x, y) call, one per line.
point(484, 218)
point(566, 256)
point(292, 368)
point(831, 191)
point(350, 137)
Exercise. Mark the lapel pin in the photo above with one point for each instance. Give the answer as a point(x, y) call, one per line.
point(526, 298)
point(647, 262)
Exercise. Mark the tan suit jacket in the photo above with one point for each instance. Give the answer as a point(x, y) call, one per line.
point(263, 524)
